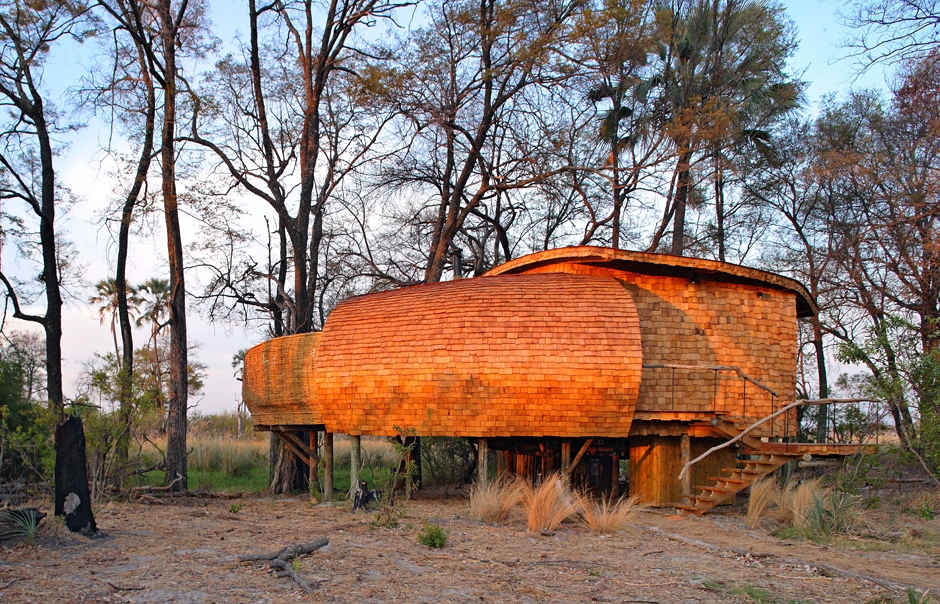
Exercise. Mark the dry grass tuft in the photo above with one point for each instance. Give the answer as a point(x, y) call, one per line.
point(492, 502)
point(764, 493)
point(797, 500)
point(606, 516)
point(550, 503)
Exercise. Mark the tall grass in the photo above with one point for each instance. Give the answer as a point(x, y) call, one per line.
point(375, 452)
point(550, 503)
point(607, 516)
point(230, 456)
point(796, 500)
point(764, 494)
point(818, 513)
point(492, 502)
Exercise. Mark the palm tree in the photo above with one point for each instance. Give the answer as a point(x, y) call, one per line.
point(721, 80)
point(155, 295)
point(107, 300)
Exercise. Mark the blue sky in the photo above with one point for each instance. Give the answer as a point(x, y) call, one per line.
point(84, 170)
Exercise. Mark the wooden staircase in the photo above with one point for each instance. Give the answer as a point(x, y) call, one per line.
point(762, 459)
point(735, 481)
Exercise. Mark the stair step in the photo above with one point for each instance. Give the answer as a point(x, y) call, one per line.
point(684, 506)
point(741, 470)
point(717, 489)
point(727, 479)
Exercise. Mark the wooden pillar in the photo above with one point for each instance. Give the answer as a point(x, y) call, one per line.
point(409, 476)
point(614, 475)
point(500, 464)
point(510, 462)
point(328, 466)
point(482, 461)
point(313, 460)
point(416, 456)
point(565, 454)
point(354, 452)
point(685, 456)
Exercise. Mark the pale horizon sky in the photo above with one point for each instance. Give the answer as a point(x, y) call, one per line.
point(81, 168)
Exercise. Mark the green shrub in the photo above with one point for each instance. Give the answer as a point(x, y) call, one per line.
point(446, 460)
point(432, 535)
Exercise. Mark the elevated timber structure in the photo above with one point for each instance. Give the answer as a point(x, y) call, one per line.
point(567, 360)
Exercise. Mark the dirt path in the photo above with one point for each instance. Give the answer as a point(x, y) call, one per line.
point(186, 552)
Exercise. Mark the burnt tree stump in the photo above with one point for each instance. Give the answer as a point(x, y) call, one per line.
point(72, 497)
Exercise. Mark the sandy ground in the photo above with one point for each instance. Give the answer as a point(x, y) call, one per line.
point(186, 551)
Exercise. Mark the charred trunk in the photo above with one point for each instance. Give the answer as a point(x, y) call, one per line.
point(72, 497)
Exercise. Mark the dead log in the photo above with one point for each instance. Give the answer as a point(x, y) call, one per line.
point(281, 560)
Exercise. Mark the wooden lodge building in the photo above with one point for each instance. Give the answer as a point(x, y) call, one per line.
point(566, 360)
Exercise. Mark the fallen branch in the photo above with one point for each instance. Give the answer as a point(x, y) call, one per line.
point(288, 552)
point(138, 491)
point(282, 560)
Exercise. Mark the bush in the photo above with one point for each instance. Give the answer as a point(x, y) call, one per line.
point(446, 460)
point(492, 501)
point(432, 535)
point(549, 504)
point(607, 517)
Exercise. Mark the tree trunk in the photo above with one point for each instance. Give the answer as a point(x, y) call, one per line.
point(720, 212)
point(120, 278)
point(179, 380)
point(288, 474)
point(615, 235)
point(683, 185)
point(823, 410)
point(72, 498)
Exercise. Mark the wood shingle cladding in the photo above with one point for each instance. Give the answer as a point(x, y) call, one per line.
point(550, 344)
point(275, 378)
point(527, 355)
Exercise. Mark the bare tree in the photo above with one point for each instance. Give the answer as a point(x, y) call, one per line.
point(290, 124)
point(892, 31)
point(162, 30)
point(27, 175)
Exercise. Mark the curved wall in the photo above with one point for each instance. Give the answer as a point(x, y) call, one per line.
point(551, 344)
point(526, 355)
point(274, 384)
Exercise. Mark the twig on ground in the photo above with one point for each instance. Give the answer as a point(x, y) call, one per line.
point(15, 579)
point(120, 587)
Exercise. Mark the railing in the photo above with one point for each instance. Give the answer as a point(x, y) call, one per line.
point(771, 417)
point(710, 406)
